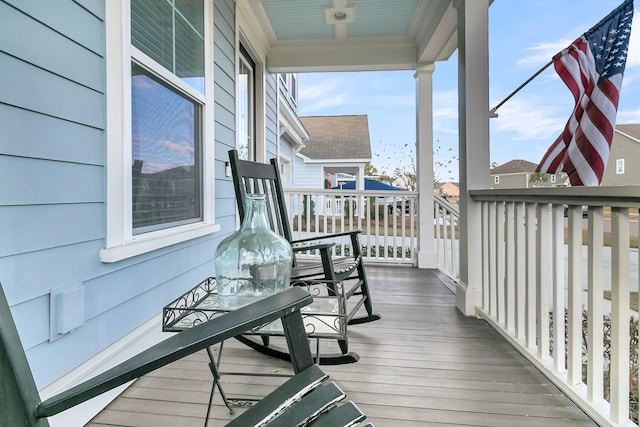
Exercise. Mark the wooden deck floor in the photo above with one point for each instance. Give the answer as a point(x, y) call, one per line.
point(423, 364)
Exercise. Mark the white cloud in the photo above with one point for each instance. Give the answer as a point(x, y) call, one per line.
point(628, 116)
point(445, 105)
point(542, 53)
point(326, 92)
point(323, 93)
point(527, 120)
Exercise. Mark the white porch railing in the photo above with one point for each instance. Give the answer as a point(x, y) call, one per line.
point(552, 268)
point(446, 223)
point(387, 220)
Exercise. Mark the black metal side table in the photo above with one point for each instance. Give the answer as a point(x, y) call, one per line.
point(325, 318)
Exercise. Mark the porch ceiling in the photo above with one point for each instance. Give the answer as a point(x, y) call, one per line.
point(336, 35)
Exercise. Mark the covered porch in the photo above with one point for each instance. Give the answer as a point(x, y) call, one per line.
point(423, 364)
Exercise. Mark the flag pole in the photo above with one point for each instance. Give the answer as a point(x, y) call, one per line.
point(492, 112)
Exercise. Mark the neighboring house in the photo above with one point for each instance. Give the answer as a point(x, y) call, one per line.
point(448, 189)
point(337, 145)
point(623, 166)
point(522, 174)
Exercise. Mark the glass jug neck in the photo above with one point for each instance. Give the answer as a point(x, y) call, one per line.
point(255, 215)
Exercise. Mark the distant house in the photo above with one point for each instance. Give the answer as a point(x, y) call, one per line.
point(623, 167)
point(522, 174)
point(448, 189)
point(336, 145)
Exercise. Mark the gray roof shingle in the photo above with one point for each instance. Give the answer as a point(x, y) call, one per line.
point(337, 137)
point(514, 166)
point(633, 130)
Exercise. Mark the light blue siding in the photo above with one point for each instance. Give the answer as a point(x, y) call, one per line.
point(30, 134)
point(80, 21)
point(285, 148)
point(271, 113)
point(71, 183)
point(53, 182)
point(225, 95)
point(85, 69)
point(307, 176)
point(50, 94)
point(29, 228)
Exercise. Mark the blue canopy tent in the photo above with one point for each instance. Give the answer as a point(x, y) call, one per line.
point(369, 184)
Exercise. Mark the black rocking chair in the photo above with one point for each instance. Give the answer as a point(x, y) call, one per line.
point(262, 178)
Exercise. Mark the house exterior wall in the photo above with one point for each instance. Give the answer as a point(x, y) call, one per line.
point(512, 180)
point(52, 202)
point(627, 149)
point(307, 175)
point(522, 180)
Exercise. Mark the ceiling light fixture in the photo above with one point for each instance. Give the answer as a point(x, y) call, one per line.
point(339, 15)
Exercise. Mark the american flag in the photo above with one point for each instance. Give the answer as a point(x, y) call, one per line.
point(592, 68)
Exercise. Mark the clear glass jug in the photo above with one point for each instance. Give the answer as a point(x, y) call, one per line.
point(254, 262)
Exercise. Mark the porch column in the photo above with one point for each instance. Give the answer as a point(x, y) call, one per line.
point(473, 128)
point(427, 257)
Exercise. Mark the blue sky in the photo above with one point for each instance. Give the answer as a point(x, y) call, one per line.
point(524, 35)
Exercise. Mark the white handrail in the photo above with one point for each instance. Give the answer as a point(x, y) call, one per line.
point(543, 285)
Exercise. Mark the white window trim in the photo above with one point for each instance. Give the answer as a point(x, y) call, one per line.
point(619, 170)
point(246, 34)
point(120, 243)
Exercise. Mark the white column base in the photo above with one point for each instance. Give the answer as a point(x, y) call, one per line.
point(467, 299)
point(427, 259)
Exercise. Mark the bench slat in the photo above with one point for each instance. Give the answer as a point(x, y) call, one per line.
point(281, 398)
point(346, 415)
point(309, 407)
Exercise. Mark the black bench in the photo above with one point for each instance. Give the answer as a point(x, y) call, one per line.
point(305, 399)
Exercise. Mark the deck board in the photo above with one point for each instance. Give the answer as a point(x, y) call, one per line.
point(423, 364)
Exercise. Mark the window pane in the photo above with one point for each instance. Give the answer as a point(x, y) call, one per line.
point(193, 13)
point(173, 37)
point(166, 155)
point(189, 59)
point(152, 30)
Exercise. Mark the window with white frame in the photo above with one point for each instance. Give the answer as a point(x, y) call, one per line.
point(553, 177)
point(158, 125)
point(619, 166)
point(496, 179)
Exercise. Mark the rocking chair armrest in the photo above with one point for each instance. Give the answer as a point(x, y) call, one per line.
point(180, 345)
point(310, 244)
point(328, 236)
